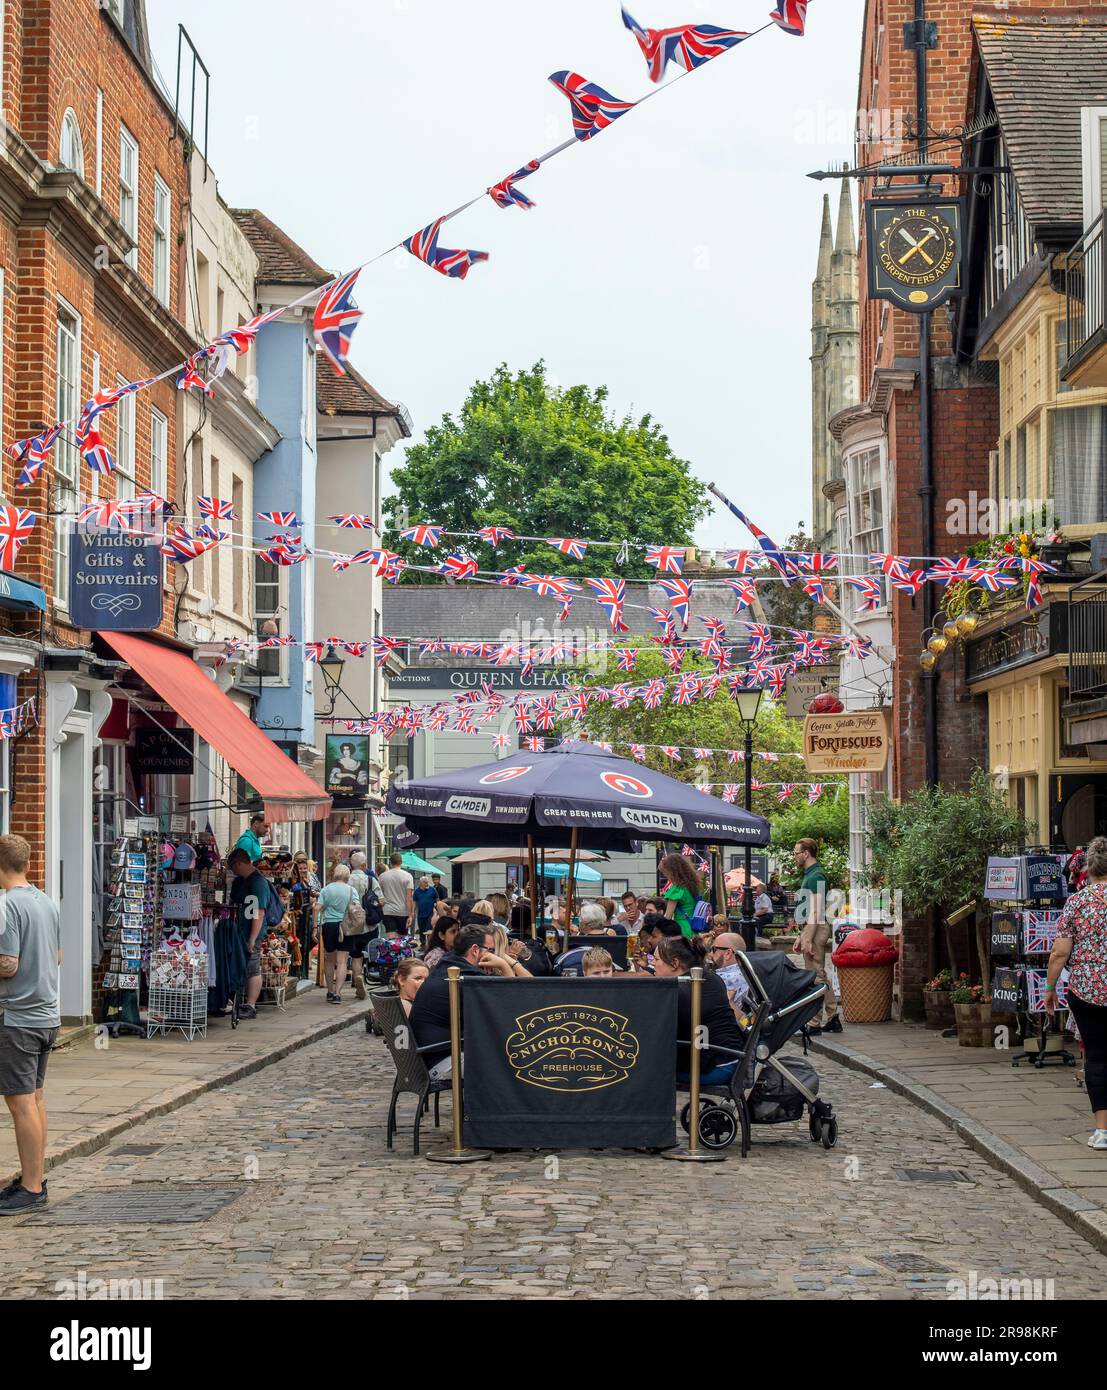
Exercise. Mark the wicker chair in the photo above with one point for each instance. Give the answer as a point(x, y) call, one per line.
point(412, 1076)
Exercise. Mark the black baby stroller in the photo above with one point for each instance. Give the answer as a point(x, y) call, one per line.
point(765, 1089)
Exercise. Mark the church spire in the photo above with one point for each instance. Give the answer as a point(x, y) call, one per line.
point(826, 245)
point(845, 240)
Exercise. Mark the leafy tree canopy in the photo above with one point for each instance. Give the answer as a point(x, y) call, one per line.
point(547, 461)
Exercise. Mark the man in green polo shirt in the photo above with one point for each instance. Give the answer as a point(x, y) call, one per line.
point(250, 840)
point(815, 936)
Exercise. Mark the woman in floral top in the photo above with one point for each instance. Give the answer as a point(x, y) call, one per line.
point(1081, 944)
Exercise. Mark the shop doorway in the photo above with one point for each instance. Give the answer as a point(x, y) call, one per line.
point(1078, 810)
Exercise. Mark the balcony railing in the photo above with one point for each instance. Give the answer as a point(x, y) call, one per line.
point(1085, 280)
point(1088, 637)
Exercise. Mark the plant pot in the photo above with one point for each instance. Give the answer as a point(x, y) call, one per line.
point(974, 1024)
point(939, 1009)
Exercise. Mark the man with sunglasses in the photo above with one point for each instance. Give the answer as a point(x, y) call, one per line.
point(724, 960)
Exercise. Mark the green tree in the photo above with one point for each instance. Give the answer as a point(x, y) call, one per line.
point(547, 462)
point(827, 823)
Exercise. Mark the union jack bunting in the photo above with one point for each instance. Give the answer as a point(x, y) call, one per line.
point(760, 639)
point(870, 592)
point(565, 610)
point(495, 534)
point(522, 719)
point(622, 696)
point(745, 592)
point(716, 627)
point(653, 692)
point(686, 689)
point(280, 555)
point(665, 559)
point(908, 583)
point(791, 15)
point(690, 46)
point(778, 680)
point(680, 596)
point(335, 319)
point(215, 509)
point(731, 792)
point(574, 549)
point(637, 752)
point(666, 621)
point(383, 647)
point(424, 246)
point(505, 195)
point(735, 755)
point(512, 577)
point(426, 536)
point(314, 652)
point(280, 518)
point(548, 585)
point(458, 566)
point(241, 338)
point(179, 545)
point(947, 571)
point(33, 453)
point(354, 648)
point(673, 657)
point(701, 754)
point(894, 566)
point(1033, 591)
point(593, 108)
point(611, 595)
point(785, 567)
point(500, 741)
point(814, 589)
point(627, 656)
point(191, 377)
point(860, 647)
point(357, 520)
point(769, 757)
point(786, 790)
point(816, 563)
point(545, 715)
point(93, 449)
point(995, 580)
point(756, 786)
point(671, 752)
point(363, 557)
point(741, 561)
point(533, 744)
point(576, 706)
point(109, 514)
point(16, 524)
point(814, 791)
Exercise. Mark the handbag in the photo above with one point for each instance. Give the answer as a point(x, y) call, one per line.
point(353, 923)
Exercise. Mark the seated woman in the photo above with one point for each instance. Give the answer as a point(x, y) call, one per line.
point(506, 949)
point(677, 956)
point(441, 941)
point(407, 978)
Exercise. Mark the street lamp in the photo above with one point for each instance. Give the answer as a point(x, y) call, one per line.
point(331, 665)
point(749, 702)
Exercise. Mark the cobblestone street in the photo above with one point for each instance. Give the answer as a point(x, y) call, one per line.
point(320, 1208)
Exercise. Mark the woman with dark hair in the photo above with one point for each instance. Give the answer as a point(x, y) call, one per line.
point(684, 891)
point(441, 940)
point(677, 956)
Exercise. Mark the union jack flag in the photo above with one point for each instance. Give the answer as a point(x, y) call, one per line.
point(735, 755)
point(778, 680)
point(690, 45)
point(731, 791)
point(761, 642)
point(611, 595)
point(716, 627)
point(814, 589)
point(191, 377)
point(769, 757)
point(870, 592)
point(626, 656)
point(383, 648)
point(16, 524)
point(816, 563)
point(357, 520)
point(505, 195)
point(785, 567)
point(93, 449)
point(456, 264)
point(741, 561)
point(806, 643)
point(814, 791)
point(574, 549)
point(241, 338)
point(671, 751)
point(995, 580)
point(702, 754)
point(33, 453)
point(791, 15)
point(314, 652)
point(545, 716)
point(495, 534)
point(860, 647)
point(108, 514)
point(576, 706)
point(354, 648)
point(564, 611)
point(680, 596)
point(894, 566)
point(363, 557)
point(667, 623)
point(593, 108)
point(673, 657)
point(280, 518)
point(946, 571)
point(500, 741)
point(637, 752)
point(216, 509)
point(686, 689)
point(533, 744)
point(182, 547)
point(426, 536)
point(666, 559)
point(908, 583)
point(335, 319)
point(622, 696)
point(745, 592)
point(1033, 591)
point(458, 566)
point(547, 585)
point(512, 577)
point(653, 692)
point(786, 790)
point(279, 555)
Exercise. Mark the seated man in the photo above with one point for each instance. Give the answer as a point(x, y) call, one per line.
point(724, 958)
point(593, 922)
point(430, 1013)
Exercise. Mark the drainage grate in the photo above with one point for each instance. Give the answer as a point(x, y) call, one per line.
point(139, 1150)
point(156, 1205)
point(930, 1175)
point(909, 1264)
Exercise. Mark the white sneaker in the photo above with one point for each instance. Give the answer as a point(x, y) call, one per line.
point(1098, 1139)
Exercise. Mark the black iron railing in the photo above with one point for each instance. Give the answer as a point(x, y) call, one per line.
point(1088, 637)
point(1085, 281)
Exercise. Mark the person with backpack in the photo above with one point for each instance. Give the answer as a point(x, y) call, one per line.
point(254, 901)
point(341, 916)
point(364, 885)
point(684, 900)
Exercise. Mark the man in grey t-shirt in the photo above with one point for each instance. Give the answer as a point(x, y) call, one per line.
point(397, 896)
point(30, 954)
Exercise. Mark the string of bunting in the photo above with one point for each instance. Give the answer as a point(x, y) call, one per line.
point(18, 719)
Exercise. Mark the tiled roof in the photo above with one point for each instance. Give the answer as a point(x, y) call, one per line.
point(1041, 68)
point(347, 395)
point(280, 260)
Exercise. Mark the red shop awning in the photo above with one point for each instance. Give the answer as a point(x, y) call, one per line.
point(288, 792)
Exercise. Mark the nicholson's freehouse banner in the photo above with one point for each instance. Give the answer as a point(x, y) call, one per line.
point(570, 1064)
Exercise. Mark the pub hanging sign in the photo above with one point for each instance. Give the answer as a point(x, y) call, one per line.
point(915, 252)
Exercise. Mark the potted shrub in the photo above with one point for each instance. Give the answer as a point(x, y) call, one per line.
point(972, 1010)
point(936, 1001)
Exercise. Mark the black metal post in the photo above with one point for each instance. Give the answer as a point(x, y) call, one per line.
point(927, 491)
point(749, 924)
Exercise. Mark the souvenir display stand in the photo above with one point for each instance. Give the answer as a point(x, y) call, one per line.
point(1029, 892)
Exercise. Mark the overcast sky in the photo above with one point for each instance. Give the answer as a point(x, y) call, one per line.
point(670, 258)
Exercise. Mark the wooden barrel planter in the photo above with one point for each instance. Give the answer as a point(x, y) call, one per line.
point(939, 1009)
point(974, 1024)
